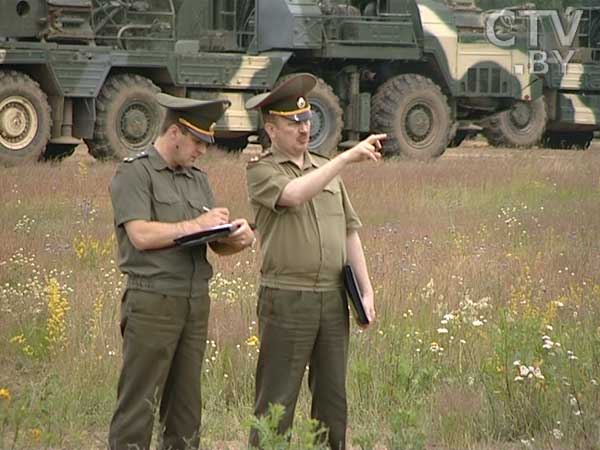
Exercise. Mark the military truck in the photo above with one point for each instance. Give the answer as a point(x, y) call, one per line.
point(568, 113)
point(73, 70)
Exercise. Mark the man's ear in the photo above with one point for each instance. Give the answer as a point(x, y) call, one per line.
point(270, 128)
point(172, 131)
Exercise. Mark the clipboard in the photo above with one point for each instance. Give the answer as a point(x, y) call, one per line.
point(355, 296)
point(205, 236)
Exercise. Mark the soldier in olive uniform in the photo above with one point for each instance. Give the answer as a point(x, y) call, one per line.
point(157, 196)
point(308, 231)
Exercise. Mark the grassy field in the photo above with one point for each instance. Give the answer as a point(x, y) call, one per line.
point(488, 297)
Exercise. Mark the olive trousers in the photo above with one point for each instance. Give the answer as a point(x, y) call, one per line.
point(164, 339)
point(300, 328)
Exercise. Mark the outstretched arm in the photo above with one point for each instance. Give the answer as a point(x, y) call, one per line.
point(304, 188)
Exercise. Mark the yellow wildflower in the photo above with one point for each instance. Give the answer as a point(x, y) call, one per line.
point(83, 168)
point(36, 434)
point(252, 341)
point(19, 339)
point(58, 306)
point(4, 394)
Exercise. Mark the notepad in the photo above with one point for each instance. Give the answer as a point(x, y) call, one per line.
point(206, 236)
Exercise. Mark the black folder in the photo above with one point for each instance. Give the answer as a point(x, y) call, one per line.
point(205, 236)
point(355, 295)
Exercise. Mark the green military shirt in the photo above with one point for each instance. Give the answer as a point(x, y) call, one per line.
point(145, 188)
point(304, 247)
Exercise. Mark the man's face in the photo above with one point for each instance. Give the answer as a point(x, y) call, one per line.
point(289, 136)
point(189, 148)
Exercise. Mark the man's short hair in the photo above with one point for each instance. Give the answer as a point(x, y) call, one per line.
point(171, 118)
point(268, 118)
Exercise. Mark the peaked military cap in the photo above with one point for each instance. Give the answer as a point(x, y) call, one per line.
point(287, 99)
point(196, 116)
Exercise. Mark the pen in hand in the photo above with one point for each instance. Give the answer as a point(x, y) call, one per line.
point(251, 225)
point(223, 221)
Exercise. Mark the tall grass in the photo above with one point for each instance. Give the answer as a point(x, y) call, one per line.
point(486, 274)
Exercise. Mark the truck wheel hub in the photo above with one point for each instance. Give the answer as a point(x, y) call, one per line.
point(319, 125)
point(18, 123)
point(418, 122)
point(521, 115)
point(315, 125)
point(135, 123)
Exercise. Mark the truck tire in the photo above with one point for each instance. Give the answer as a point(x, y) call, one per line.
point(415, 114)
point(521, 127)
point(128, 118)
point(572, 140)
point(326, 122)
point(24, 119)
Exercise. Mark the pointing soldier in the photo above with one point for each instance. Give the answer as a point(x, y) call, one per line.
point(308, 231)
point(158, 196)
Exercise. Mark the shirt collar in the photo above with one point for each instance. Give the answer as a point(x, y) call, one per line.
point(311, 160)
point(281, 157)
point(158, 163)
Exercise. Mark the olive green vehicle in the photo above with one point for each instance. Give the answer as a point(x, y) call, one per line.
point(73, 70)
point(568, 114)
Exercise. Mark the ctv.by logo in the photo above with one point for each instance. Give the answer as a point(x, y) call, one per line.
point(538, 59)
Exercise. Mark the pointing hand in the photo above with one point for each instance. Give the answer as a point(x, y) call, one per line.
point(368, 149)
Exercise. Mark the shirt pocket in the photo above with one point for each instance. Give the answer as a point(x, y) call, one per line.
point(330, 200)
point(168, 206)
point(197, 206)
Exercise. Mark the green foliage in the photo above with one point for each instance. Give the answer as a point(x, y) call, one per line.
point(366, 439)
point(307, 434)
point(405, 430)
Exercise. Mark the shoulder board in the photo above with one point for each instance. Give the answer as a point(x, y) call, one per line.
point(134, 157)
point(259, 157)
point(198, 169)
point(319, 155)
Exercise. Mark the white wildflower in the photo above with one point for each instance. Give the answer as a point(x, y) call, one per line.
point(572, 400)
point(557, 433)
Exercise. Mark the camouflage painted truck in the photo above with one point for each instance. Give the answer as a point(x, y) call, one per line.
point(73, 70)
point(568, 114)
